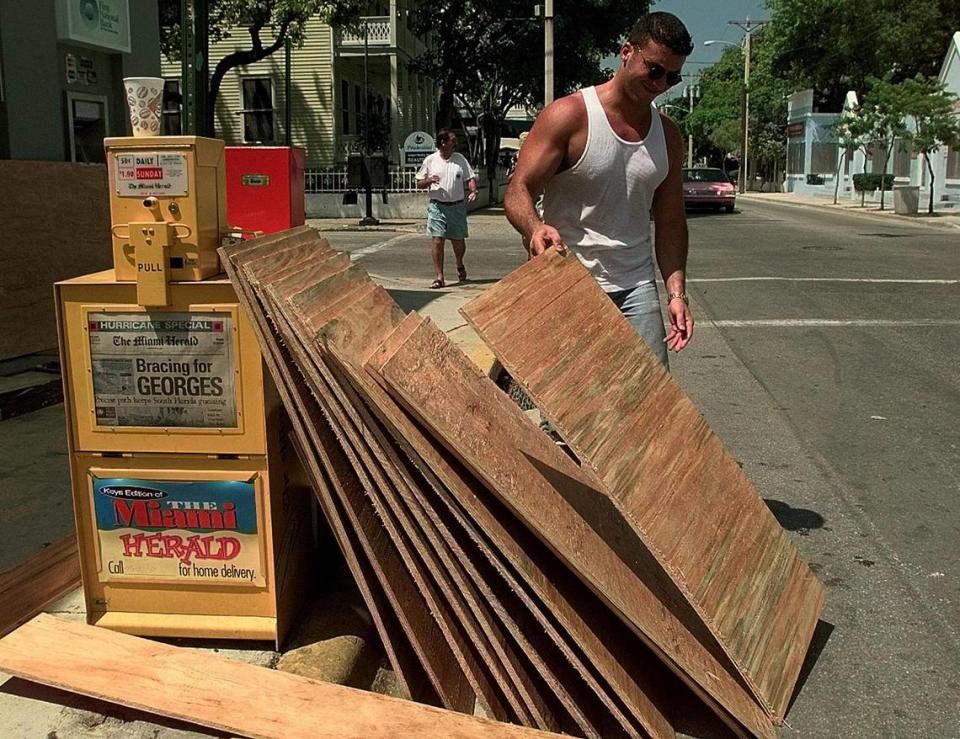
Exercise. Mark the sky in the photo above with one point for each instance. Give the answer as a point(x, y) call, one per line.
point(707, 20)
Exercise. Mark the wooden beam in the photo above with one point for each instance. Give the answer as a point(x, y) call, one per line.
point(663, 469)
point(222, 694)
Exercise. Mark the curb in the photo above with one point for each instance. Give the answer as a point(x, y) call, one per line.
point(820, 206)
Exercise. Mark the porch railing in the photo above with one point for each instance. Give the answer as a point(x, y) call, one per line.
point(320, 181)
point(377, 28)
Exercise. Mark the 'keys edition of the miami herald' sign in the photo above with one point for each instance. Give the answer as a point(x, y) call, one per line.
point(198, 531)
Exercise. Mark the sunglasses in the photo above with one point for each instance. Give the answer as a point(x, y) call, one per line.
point(656, 72)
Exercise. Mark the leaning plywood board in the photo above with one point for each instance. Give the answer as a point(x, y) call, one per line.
point(29, 586)
point(563, 505)
point(351, 514)
point(669, 476)
point(351, 335)
point(379, 484)
point(220, 693)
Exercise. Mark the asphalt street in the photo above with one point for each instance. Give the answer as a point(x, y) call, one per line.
point(825, 358)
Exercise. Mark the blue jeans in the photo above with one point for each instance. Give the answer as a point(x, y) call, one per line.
point(641, 306)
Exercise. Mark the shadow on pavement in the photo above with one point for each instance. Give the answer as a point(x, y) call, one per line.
point(794, 519)
point(821, 635)
point(410, 300)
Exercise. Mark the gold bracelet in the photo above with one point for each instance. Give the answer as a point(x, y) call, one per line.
point(682, 296)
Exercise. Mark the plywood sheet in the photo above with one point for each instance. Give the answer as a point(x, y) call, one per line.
point(34, 583)
point(349, 337)
point(359, 443)
point(563, 505)
point(418, 654)
point(209, 690)
point(661, 466)
point(38, 246)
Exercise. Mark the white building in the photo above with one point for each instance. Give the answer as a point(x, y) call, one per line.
point(813, 153)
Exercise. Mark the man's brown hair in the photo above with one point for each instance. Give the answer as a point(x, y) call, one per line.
point(665, 29)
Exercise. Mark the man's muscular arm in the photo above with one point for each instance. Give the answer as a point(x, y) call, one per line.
point(672, 241)
point(544, 153)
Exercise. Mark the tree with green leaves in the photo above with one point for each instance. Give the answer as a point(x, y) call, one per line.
point(715, 122)
point(884, 113)
point(269, 24)
point(834, 46)
point(487, 56)
point(935, 120)
point(717, 118)
point(852, 130)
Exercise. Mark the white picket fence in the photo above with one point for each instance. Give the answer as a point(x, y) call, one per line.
point(320, 181)
point(317, 181)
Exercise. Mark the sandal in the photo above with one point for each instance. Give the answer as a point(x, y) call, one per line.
point(436, 284)
point(462, 274)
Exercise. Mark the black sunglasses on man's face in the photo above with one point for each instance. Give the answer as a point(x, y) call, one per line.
point(656, 71)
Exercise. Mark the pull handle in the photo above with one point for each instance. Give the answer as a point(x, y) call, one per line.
point(122, 230)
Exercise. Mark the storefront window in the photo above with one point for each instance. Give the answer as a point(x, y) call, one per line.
point(953, 163)
point(902, 158)
point(796, 154)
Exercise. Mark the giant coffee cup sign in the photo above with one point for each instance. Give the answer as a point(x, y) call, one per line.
point(416, 147)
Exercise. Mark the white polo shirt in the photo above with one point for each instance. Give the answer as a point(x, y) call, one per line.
point(453, 173)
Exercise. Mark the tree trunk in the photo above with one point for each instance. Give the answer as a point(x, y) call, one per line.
point(491, 140)
point(446, 108)
point(926, 160)
point(236, 59)
point(883, 174)
point(836, 180)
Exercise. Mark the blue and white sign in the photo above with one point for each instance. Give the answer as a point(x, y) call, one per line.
point(104, 24)
point(416, 147)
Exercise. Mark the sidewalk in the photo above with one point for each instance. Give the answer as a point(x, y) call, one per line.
point(940, 219)
point(403, 225)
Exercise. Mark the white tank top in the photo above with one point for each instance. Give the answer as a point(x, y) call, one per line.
point(601, 205)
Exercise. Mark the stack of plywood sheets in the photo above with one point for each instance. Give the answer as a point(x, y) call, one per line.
point(502, 576)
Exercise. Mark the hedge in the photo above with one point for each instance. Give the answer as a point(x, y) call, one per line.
point(868, 182)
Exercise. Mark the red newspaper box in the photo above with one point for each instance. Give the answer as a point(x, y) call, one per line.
point(265, 187)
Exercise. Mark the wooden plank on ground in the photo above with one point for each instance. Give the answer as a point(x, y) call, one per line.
point(564, 506)
point(28, 587)
point(223, 694)
point(666, 472)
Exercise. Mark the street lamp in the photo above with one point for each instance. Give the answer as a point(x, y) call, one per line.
point(748, 27)
point(745, 121)
point(691, 91)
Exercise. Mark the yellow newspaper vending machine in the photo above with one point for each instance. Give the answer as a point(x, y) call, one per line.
point(193, 517)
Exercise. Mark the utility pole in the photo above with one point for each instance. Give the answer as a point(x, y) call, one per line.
point(547, 53)
point(692, 91)
point(748, 27)
point(194, 55)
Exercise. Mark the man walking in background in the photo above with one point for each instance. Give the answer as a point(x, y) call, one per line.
point(605, 159)
point(451, 183)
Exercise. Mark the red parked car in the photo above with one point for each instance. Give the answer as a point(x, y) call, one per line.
point(708, 187)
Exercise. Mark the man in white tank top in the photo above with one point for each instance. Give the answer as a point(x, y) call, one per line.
point(605, 159)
